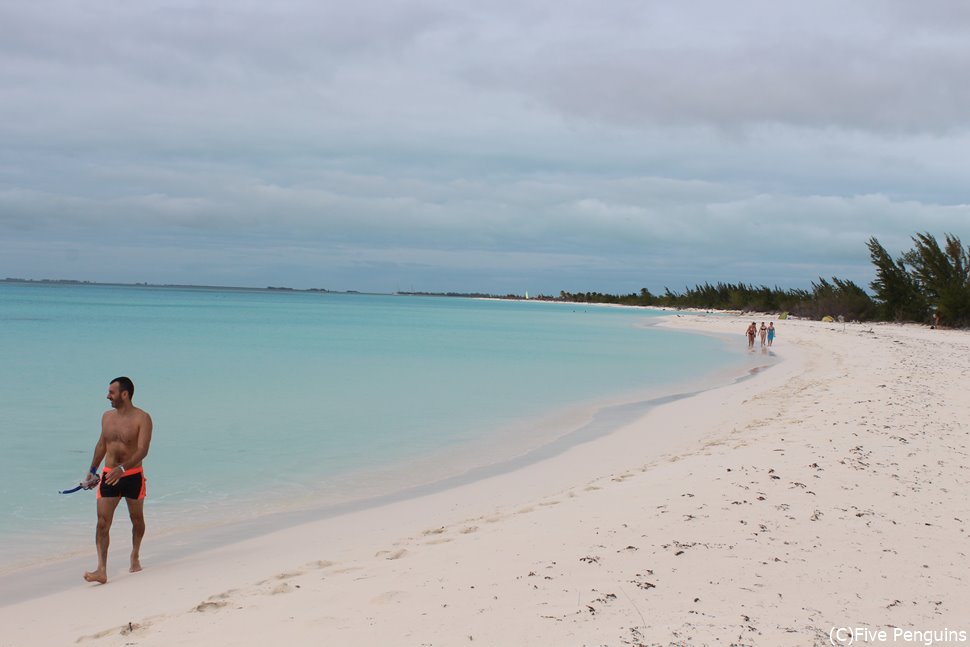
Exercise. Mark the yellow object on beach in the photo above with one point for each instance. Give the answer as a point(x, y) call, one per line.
point(827, 319)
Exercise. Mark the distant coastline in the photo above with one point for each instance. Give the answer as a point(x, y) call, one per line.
point(274, 288)
point(269, 288)
point(928, 284)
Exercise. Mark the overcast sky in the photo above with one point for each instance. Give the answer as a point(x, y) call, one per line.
point(496, 146)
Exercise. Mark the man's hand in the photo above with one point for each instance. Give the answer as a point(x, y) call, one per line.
point(114, 475)
point(90, 481)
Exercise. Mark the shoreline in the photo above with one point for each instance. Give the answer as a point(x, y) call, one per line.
point(239, 450)
point(824, 493)
point(43, 575)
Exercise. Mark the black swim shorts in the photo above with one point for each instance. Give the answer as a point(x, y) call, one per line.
point(130, 486)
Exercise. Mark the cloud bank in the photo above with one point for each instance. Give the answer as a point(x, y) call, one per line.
point(447, 146)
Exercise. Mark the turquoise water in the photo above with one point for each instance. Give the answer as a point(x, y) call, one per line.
point(264, 400)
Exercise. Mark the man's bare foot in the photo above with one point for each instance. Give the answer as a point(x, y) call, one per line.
point(96, 576)
point(135, 565)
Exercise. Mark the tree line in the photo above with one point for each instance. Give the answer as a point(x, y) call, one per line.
point(928, 279)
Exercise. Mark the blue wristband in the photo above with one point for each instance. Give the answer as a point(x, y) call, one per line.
point(94, 470)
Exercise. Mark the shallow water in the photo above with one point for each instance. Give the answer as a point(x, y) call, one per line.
point(266, 400)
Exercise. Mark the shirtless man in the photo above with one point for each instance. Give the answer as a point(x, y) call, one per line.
point(126, 432)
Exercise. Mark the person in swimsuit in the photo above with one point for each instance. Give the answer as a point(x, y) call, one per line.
point(764, 334)
point(126, 432)
point(771, 333)
point(751, 332)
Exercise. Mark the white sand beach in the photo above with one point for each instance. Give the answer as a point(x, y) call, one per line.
point(828, 491)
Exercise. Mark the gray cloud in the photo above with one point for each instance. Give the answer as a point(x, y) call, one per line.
point(858, 66)
point(566, 145)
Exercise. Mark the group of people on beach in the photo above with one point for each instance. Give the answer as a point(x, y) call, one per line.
point(767, 334)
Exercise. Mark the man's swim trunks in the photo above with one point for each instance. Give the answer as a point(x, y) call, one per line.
point(130, 486)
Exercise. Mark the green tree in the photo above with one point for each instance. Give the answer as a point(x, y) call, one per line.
point(943, 274)
point(838, 298)
point(897, 291)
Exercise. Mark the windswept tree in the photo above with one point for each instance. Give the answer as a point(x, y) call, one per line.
point(943, 274)
point(927, 278)
point(838, 298)
point(897, 291)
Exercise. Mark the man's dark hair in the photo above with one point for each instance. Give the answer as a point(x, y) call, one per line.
point(125, 384)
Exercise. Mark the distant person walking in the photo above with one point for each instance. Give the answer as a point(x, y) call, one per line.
point(771, 333)
point(751, 332)
point(764, 334)
point(126, 432)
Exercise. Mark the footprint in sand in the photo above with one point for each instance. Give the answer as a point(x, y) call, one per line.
point(131, 626)
point(354, 569)
point(280, 576)
point(126, 629)
point(398, 554)
point(286, 576)
point(468, 530)
point(209, 605)
point(224, 595)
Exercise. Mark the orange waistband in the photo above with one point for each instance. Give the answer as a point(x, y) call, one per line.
point(128, 472)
